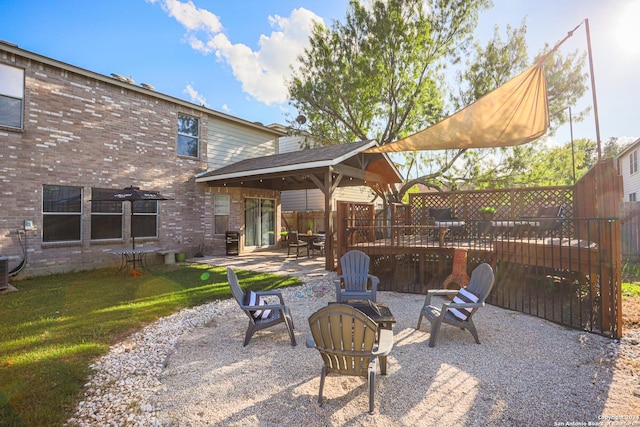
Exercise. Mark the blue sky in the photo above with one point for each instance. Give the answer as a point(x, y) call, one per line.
point(233, 56)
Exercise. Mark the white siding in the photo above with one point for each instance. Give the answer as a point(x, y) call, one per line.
point(230, 142)
point(354, 194)
point(298, 200)
point(290, 143)
point(313, 200)
point(633, 179)
point(630, 181)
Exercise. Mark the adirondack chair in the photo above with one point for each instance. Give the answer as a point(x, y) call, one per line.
point(349, 343)
point(355, 278)
point(261, 314)
point(459, 312)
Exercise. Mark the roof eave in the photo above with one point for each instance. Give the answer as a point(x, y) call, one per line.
point(266, 171)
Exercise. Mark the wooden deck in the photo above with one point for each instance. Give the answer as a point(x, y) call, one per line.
point(563, 254)
point(584, 260)
point(559, 277)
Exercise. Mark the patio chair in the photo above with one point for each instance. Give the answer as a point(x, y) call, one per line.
point(549, 219)
point(459, 311)
point(262, 313)
point(317, 244)
point(547, 222)
point(293, 241)
point(348, 343)
point(355, 278)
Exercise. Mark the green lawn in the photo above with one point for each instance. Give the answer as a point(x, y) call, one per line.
point(55, 326)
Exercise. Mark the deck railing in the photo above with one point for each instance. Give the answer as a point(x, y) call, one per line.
point(568, 275)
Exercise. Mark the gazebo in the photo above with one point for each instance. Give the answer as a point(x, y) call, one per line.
point(326, 168)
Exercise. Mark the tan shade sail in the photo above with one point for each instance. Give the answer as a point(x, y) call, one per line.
point(513, 114)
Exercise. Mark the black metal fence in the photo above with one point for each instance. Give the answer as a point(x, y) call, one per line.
point(567, 274)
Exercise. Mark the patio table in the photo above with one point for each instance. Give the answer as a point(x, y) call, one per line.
point(310, 238)
point(133, 257)
point(456, 227)
point(513, 228)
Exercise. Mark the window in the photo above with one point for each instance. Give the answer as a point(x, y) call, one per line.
point(11, 96)
point(61, 213)
point(144, 222)
point(221, 209)
point(633, 162)
point(632, 197)
point(188, 136)
point(106, 217)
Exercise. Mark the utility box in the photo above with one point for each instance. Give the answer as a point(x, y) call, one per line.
point(4, 272)
point(232, 241)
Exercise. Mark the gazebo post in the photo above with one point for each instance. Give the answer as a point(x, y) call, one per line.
point(328, 221)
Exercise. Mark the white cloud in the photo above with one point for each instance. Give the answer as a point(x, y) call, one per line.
point(195, 96)
point(262, 73)
point(192, 18)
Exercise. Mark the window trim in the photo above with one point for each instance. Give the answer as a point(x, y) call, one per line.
point(633, 162)
point(92, 213)
point(155, 214)
point(46, 213)
point(186, 135)
point(215, 210)
point(13, 97)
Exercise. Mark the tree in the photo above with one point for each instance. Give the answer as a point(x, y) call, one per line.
point(491, 66)
point(612, 148)
point(377, 74)
point(555, 166)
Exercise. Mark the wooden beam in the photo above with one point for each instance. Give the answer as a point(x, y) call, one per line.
point(358, 173)
point(328, 220)
point(320, 184)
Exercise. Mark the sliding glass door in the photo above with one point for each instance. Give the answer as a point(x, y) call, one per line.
point(260, 221)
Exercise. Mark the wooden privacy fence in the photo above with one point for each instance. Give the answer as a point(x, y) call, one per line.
point(569, 274)
point(630, 228)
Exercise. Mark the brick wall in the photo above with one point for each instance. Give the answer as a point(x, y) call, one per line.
point(86, 132)
point(215, 244)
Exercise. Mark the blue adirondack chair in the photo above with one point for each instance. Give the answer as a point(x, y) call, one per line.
point(460, 310)
point(270, 314)
point(355, 279)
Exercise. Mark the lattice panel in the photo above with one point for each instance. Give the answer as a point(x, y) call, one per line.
point(509, 203)
point(358, 221)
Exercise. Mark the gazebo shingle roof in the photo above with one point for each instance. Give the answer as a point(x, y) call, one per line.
point(329, 153)
point(293, 168)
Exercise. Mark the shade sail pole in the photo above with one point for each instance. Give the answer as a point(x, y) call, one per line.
point(591, 74)
point(593, 88)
